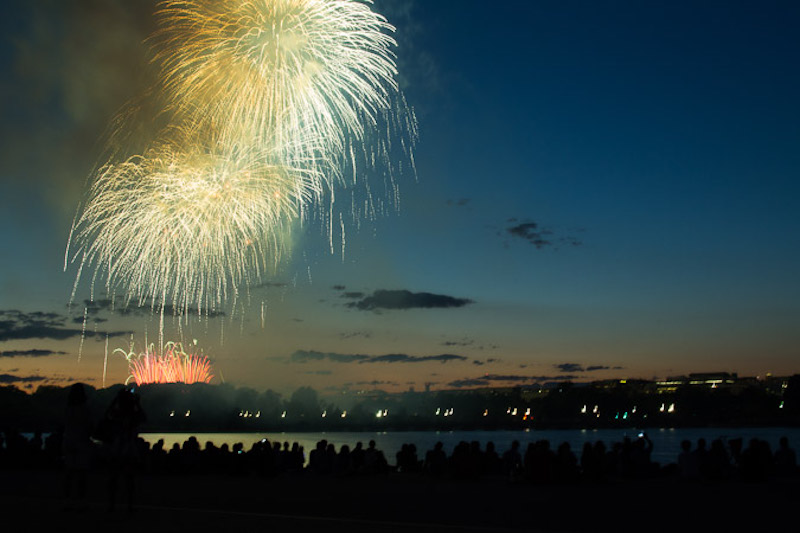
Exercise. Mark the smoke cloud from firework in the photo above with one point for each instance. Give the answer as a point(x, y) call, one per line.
point(268, 107)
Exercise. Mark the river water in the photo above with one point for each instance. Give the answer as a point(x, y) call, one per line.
point(666, 441)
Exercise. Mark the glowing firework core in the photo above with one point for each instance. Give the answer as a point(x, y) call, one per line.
point(174, 365)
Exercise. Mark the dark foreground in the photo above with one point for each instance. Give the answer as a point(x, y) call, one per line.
point(32, 500)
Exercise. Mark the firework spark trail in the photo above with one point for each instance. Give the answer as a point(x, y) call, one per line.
point(271, 102)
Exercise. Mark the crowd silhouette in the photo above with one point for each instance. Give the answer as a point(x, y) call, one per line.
point(536, 462)
point(114, 446)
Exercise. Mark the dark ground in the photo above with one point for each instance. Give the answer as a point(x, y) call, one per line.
point(403, 503)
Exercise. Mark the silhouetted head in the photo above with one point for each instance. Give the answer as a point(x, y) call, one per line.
point(686, 445)
point(77, 394)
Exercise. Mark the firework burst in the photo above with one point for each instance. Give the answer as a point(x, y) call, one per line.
point(189, 227)
point(269, 103)
point(173, 365)
point(280, 70)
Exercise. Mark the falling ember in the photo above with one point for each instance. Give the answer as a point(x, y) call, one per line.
point(105, 362)
point(83, 333)
point(174, 365)
point(262, 314)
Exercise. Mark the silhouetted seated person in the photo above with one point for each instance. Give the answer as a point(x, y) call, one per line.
point(459, 462)
point(318, 459)
point(374, 460)
point(718, 463)
point(281, 456)
point(785, 459)
point(594, 461)
point(77, 445)
point(539, 462)
point(688, 467)
point(297, 459)
point(357, 457)
point(756, 462)
point(512, 462)
point(190, 456)
point(343, 466)
point(476, 460)
point(238, 460)
point(435, 461)
point(407, 461)
point(566, 464)
point(491, 461)
point(735, 449)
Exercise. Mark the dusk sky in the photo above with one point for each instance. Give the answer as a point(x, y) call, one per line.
point(602, 190)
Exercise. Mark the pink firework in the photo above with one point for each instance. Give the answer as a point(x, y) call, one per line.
point(174, 365)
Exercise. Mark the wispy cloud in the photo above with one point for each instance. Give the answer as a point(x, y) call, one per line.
point(18, 325)
point(304, 356)
point(575, 367)
point(493, 379)
point(29, 353)
point(404, 299)
point(538, 235)
point(9, 379)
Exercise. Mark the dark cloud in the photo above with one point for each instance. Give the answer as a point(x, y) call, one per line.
point(403, 299)
point(354, 295)
point(8, 378)
point(17, 325)
point(569, 367)
point(489, 360)
point(469, 382)
point(29, 353)
point(403, 358)
point(538, 235)
point(458, 343)
point(492, 379)
point(531, 232)
point(304, 356)
point(575, 367)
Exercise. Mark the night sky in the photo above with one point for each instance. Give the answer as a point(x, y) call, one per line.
point(602, 190)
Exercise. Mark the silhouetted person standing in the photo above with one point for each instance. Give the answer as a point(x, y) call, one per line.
point(124, 416)
point(76, 445)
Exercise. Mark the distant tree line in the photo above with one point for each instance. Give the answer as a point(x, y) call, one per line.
point(209, 408)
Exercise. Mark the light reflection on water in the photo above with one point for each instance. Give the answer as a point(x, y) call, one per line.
point(666, 441)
